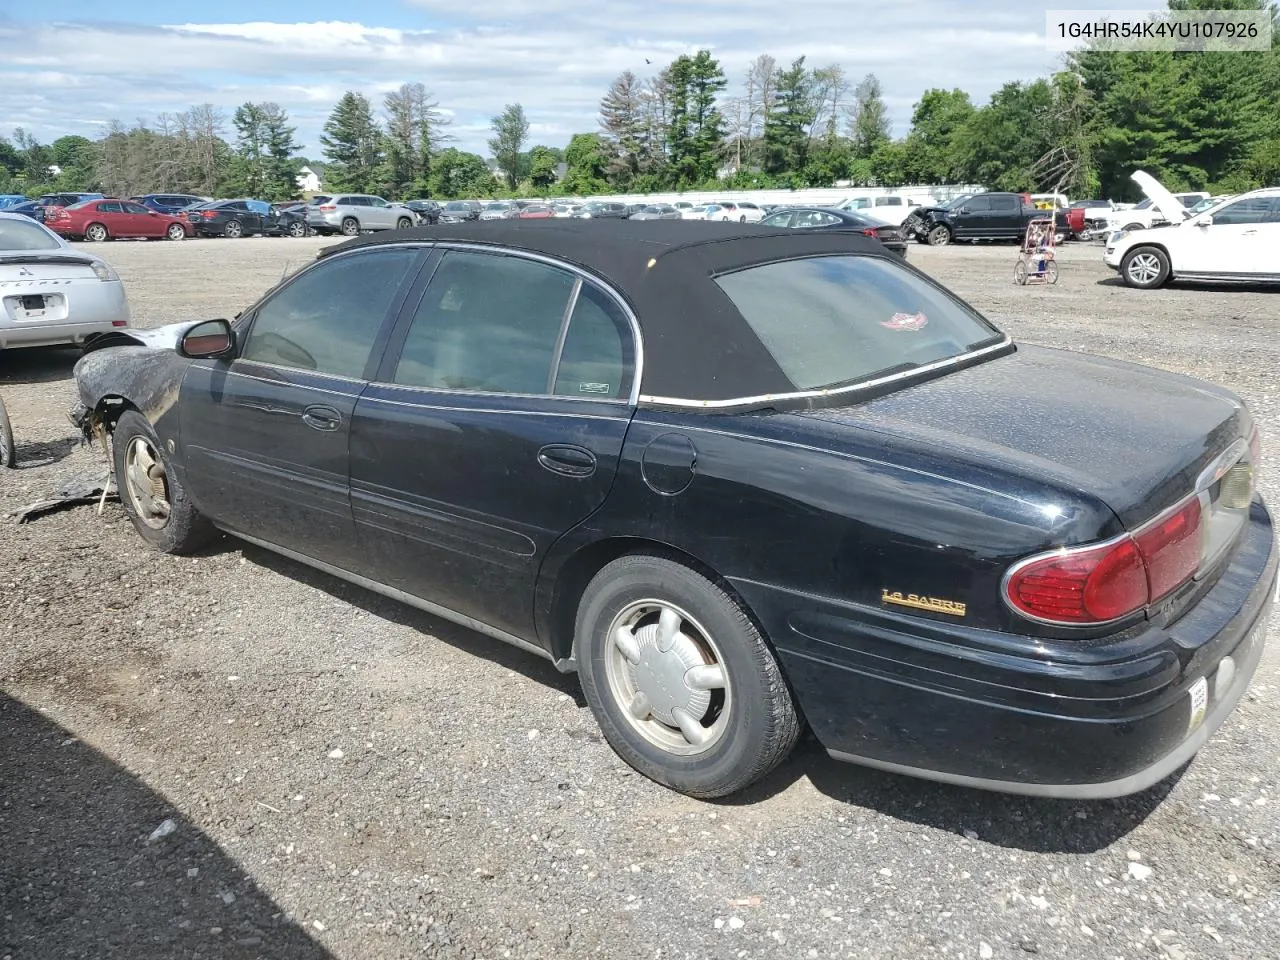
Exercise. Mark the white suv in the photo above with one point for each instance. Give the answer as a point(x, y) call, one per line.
point(1238, 239)
point(352, 213)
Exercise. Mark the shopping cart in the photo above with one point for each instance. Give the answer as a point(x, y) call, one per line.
point(1036, 262)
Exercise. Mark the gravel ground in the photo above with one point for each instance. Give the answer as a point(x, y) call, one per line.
point(349, 778)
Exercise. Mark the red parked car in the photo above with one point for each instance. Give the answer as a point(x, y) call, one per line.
point(114, 219)
point(536, 211)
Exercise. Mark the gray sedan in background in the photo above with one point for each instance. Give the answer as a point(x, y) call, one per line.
point(50, 292)
point(658, 211)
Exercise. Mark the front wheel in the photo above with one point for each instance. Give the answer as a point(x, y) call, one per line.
point(683, 685)
point(1020, 273)
point(8, 452)
point(1051, 271)
point(1145, 268)
point(150, 492)
point(404, 223)
point(939, 236)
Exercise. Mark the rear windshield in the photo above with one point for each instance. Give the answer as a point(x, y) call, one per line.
point(834, 321)
point(26, 235)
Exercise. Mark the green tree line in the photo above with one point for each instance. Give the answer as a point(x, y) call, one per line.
point(1195, 120)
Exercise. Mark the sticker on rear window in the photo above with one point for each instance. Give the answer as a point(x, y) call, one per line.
point(906, 321)
point(594, 388)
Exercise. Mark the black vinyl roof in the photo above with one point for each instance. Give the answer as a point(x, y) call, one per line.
point(697, 346)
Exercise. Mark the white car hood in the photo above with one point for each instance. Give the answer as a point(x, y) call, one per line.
point(1169, 206)
point(161, 338)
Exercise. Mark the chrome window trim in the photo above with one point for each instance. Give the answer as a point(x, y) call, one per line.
point(836, 392)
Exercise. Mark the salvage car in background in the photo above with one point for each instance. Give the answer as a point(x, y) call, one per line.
point(535, 429)
point(1237, 240)
point(52, 293)
point(245, 218)
point(824, 218)
point(99, 220)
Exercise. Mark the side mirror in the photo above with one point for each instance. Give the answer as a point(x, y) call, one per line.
point(210, 340)
point(1205, 220)
point(963, 210)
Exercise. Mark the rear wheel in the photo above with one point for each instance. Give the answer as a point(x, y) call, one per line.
point(150, 492)
point(350, 226)
point(1132, 226)
point(175, 232)
point(1145, 267)
point(1020, 273)
point(1051, 271)
point(96, 232)
point(234, 229)
point(683, 685)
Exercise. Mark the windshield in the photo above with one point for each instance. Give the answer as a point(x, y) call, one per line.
point(26, 234)
point(497, 206)
point(458, 205)
point(1145, 204)
point(837, 320)
point(952, 204)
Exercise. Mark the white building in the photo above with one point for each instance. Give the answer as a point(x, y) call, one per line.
point(308, 180)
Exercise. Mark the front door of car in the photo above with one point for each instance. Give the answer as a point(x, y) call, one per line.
point(380, 213)
point(111, 214)
point(1244, 238)
point(143, 222)
point(971, 219)
point(250, 221)
point(493, 427)
point(264, 436)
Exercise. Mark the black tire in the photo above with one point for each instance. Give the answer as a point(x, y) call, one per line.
point(297, 229)
point(233, 230)
point(350, 227)
point(939, 236)
point(8, 452)
point(175, 232)
point(96, 233)
point(756, 725)
point(185, 530)
point(1132, 226)
point(1145, 268)
point(404, 223)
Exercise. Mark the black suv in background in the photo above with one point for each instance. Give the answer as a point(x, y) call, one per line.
point(456, 211)
point(168, 202)
point(427, 211)
point(600, 210)
point(979, 216)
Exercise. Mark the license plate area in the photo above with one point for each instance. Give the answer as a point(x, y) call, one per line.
point(33, 307)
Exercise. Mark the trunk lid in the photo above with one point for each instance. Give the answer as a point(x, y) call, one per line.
point(28, 268)
point(1134, 437)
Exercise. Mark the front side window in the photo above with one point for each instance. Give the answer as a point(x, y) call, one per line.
point(134, 208)
point(977, 205)
point(833, 321)
point(1252, 210)
point(487, 323)
point(328, 318)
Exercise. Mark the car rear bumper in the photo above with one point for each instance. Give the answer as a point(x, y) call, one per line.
point(89, 308)
point(986, 710)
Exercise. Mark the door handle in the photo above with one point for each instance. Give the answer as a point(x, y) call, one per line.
point(568, 460)
point(1249, 233)
point(322, 418)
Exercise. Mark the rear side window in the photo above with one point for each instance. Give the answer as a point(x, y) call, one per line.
point(598, 356)
point(26, 235)
point(1004, 203)
point(328, 318)
point(487, 324)
point(836, 320)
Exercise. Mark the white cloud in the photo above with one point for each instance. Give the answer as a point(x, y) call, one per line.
point(557, 58)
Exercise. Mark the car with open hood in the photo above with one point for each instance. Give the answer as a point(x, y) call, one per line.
point(1236, 240)
point(1160, 207)
point(740, 480)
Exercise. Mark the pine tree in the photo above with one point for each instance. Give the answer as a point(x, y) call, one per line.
point(623, 121)
point(786, 127)
point(415, 128)
point(869, 126)
point(353, 144)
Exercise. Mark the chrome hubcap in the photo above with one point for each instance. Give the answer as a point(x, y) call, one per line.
point(1144, 268)
point(146, 484)
point(668, 677)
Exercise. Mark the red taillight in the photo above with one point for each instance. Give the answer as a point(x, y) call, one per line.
point(119, 323)
point(208, 214)
point(1091, 585)
point(871, 232)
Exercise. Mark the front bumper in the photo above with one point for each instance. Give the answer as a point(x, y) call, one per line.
point(987, 710)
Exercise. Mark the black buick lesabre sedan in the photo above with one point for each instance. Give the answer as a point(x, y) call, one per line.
point(740, 480)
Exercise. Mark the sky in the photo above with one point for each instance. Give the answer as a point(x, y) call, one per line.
point(71, 66)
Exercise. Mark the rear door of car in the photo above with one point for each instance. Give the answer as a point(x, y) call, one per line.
point(1244, 239)
point(494, 425)
point(265, 435)
point(1005, 218)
